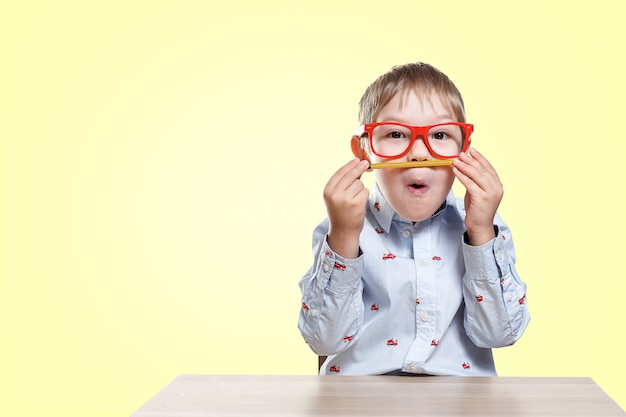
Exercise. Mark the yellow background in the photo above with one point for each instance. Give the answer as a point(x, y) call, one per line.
point(164, 163)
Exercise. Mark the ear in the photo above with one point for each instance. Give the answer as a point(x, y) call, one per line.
point(357, 148)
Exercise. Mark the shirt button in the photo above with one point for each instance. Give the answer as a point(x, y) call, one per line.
point(425, 317)
point(424, 263)
point(313, 313)
point(406, 234)
point(499, 255)
point(509, 296)
point(412, 367)
point(325, 267)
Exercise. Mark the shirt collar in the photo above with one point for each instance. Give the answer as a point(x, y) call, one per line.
point(385, 214)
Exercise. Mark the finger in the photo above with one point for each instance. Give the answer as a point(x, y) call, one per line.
point(480, 180)
point(355, 189)
point(467, 171)
point(484, 162)
point(353, 199)
point(338, 175)
point(467, 182)
point(474, 184)
point(479, 171)
point(347, 174)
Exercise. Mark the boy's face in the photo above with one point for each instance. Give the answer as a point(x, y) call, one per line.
point(415, 193)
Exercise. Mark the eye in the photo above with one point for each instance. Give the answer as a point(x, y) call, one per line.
point(396, 134)
point(445, 133)
point(439, 135)
point(391, 133)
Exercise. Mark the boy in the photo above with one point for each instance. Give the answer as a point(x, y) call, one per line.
point(412, 280)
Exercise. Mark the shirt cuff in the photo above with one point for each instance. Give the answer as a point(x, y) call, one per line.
point(337, 273)
point(481, 262)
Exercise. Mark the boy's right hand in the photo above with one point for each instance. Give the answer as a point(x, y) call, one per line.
point(345, 196)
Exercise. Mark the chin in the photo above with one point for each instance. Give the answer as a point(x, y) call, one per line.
point(415, 217)
point(419, 213)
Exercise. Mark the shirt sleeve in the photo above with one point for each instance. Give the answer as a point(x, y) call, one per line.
point(496, 314)
point(332, 306)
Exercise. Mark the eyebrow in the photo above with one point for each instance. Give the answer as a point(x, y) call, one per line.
point(443, 119)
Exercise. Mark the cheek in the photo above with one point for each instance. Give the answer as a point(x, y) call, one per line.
point(444, 182)
point(386, 178)
point(375, 159)
point(448, 177)
point(389, 184)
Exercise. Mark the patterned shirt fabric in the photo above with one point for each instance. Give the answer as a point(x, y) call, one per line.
point(417, 300)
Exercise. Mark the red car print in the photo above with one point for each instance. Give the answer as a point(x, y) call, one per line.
point(479, 298)
point(523, 299)
point(327, 253)
point(334, 369)
point(374, 307)
point(436, 258)
point(466, 365)
point(377, 206)
point(388, 256)
point(305, 307)
point(379, 230)
point(417, 301)
point(340, 267)
point(434, 343)
point(347, 339)
point(392, 342)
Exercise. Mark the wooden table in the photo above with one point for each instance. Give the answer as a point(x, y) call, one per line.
point(233, 395)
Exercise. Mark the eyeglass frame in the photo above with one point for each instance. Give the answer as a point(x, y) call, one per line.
point(416, 131)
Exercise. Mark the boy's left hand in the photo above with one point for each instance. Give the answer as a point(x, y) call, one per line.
point(483, 196)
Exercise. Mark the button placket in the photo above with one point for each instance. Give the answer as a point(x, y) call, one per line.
point(425, 292)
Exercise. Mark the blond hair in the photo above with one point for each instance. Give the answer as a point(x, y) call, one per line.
point(423, 79)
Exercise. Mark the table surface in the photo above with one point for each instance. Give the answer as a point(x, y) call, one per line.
point(286, 395)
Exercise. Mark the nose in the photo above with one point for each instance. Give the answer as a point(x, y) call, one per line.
point(419, 151)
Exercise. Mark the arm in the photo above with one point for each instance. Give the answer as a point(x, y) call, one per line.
point(495, 297)
point(332, 307)
point(331, 290)
point(345, 196)
point(496, 314)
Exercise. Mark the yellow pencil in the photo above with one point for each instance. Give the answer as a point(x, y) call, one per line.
point(413, 164)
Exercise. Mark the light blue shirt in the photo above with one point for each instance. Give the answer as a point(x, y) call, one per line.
point(418, 299)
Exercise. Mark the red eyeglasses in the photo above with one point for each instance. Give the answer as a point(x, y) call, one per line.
point(393, 140)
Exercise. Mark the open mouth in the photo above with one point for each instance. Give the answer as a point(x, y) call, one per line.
point(417, 187)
